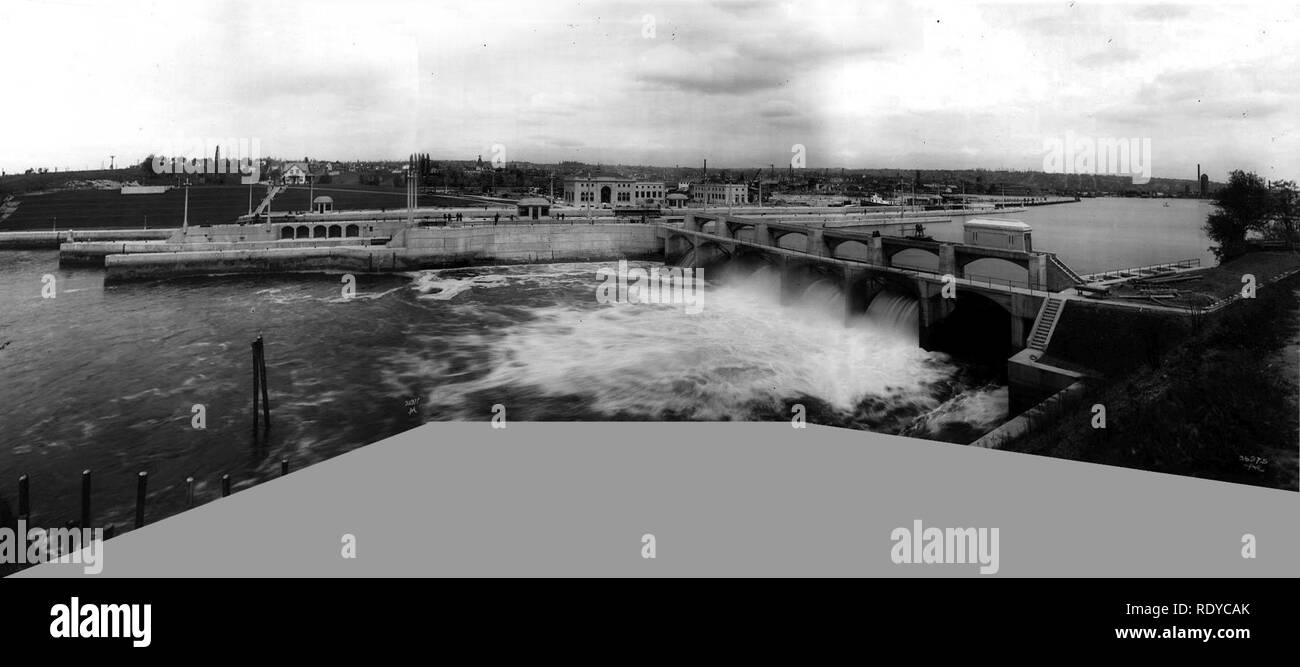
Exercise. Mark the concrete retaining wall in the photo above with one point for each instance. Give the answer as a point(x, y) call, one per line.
point(51, 239)
point(422, 248)
point(1022, 424)
point(263, 232)
point(93, 253)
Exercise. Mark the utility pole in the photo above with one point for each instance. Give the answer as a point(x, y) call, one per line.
point(112, 162)
point(185, 221)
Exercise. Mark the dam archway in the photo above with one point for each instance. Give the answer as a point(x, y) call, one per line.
point(996, 270)
point(971, 326)
point(913, 258)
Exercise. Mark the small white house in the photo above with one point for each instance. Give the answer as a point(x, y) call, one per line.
point(1003, 234)
point(295, 173)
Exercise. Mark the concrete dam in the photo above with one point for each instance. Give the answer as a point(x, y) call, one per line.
point(953, 308)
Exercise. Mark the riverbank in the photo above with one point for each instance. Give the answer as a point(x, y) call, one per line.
point(1217, 403)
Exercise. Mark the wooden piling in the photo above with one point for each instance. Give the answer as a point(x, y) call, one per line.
point(141, 491)
point(85, 498)
point(257, 373)
point(225, 485)
point(189, 492)
point(24, 497)
point(284, 467)
point(261, 368)
point(261, 392)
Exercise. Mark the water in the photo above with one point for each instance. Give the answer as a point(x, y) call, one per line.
point(1094, 235)
point(106, 377)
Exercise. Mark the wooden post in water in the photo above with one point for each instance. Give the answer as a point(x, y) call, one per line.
point(141, 490)
point(284, 467)
point(261, 368)
point(260, 390)
point(85, 498)
point(189, 492)
point(257, 379)
point(24, 497)
point(225, 485)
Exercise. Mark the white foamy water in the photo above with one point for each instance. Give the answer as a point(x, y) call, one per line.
point(645, 361)
point(432, 285)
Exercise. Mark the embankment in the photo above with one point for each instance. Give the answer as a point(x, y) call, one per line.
point(1204, 399)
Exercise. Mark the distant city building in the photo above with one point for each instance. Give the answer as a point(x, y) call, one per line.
point(720, 194)
point(614, 191)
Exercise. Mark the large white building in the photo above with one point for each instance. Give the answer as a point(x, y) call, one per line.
point(719, 194)
point(612, 192)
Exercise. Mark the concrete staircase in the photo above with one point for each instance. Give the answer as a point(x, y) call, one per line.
point(1045, 324)
point(1070, 273)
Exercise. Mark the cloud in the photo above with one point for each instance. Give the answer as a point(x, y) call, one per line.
point(779, 109)
point(765, 47)
point(1110, 56)
point(1161, 12)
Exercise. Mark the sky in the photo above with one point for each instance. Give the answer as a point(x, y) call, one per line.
point(850, 83)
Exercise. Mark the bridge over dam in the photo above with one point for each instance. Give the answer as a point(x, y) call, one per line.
point(999, 319)
point(864, 264)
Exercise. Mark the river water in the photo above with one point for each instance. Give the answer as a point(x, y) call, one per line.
point(107, 377)
point(1105, 233)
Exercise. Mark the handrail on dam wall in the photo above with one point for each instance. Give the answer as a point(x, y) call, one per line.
point(1137, 271)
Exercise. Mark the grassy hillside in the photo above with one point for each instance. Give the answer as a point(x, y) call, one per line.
point(109, 209)
point(1217, 405)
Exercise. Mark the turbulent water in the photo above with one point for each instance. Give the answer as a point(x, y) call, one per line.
point(107, 378)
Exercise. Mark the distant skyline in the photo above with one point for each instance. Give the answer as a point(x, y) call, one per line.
point(924, 85)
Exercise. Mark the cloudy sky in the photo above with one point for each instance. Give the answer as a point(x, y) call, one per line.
point(856, 83)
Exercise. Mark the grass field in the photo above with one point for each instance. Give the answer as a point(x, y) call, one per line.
point(109, 209)
point(298, 198)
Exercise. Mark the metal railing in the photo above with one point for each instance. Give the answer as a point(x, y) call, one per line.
point(1143, 271)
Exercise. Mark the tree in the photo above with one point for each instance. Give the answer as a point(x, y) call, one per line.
point(1286, 211)
point(1243, 205)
